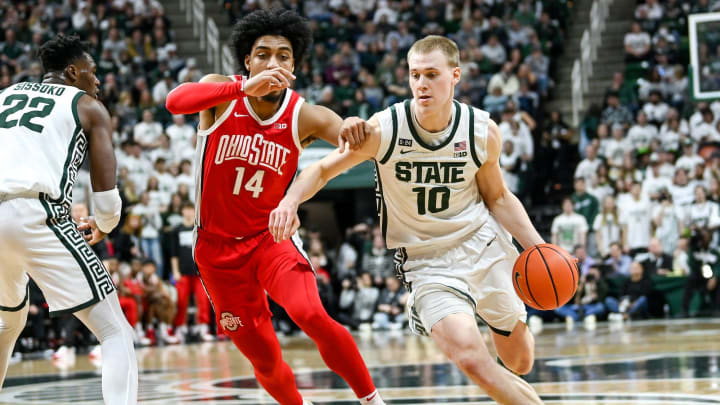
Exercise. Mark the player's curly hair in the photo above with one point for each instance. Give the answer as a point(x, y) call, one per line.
point(57, 53)
point(285, 23)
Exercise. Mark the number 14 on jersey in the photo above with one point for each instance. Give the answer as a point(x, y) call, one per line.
point(254, 183)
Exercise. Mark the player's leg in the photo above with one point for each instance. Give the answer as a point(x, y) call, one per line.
point(183, 287)
point(458, 337)
point(106, 321)
point(296, 291)
point(202, 315)
point(242, 314)
point(516, 350)
point(73, 280)
point(13, 280)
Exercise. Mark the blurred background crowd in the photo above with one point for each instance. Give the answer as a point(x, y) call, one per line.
point(641, 174)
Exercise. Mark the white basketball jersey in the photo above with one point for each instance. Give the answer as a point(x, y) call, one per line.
point(43, 143)
point(427, 197)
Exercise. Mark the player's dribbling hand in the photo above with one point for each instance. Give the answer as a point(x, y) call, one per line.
point(96, 235)
point(284, 221)
point(268, 81)
point(353, 132)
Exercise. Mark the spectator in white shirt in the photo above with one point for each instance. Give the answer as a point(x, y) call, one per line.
point(494, 51)
point(655, 109)
point(702, 213)
point(607, 226)
point(179, 131)
point(569, 228)
point(682, 189)
point(635, 218)
point(655, 182)
point(147, 132)
point(689, 159)
point(588, 167)
point(167, 183)
point(505, 79)
point(637, 44)
point(642, 133)
point(510, 164)
point(705, 130)
point(114, 43)
point(667, 219)
point(650, 10)
point(162, 88)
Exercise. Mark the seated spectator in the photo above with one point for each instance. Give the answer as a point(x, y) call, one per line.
point(587, 168)
point(494, 51)
point(377, 261)
point(390, 312)
point(615, 113)
point(656, 261)
point(705, 130)
point(689, 159)
point(589, 299)
point(637, 44)
point(655, 109)
point(618, 261)
point(642, 134)
point(158, 304)
point(506, 80)
point(650, 10)
point(147, 132)
point(704, 264)
point(510, 164)
point(495, 101)
point(584, 262)
point(634, 294)
point(702, 213)
point(569, 228)
point(682, 189)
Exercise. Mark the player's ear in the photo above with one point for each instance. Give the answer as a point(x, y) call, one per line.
point(247, 63)
point(456, 75)
point(71, 72)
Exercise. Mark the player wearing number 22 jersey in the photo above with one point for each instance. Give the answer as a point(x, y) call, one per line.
point(251, 133)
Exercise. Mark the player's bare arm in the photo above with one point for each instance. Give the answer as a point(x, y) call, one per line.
point(283, 220)
point(96, 124)
point(503, 204)
point(318, 122)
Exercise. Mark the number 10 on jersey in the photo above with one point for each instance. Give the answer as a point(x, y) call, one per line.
point(254, 184)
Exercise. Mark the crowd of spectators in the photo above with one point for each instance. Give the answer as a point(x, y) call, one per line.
point(646, 190)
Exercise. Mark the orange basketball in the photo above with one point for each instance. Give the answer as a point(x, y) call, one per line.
point(545, 276)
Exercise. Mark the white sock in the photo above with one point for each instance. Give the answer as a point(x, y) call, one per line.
point(119, 369)
point(373, 399)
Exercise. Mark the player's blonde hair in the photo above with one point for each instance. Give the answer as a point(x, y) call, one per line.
point(432, 42)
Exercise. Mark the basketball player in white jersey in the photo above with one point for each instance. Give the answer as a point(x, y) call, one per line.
point(444, 206)
point(45, 131)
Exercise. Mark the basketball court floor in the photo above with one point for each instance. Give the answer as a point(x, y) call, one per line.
point(653, 362)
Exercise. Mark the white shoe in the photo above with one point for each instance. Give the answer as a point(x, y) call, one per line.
point(16, 358)
point(569, 323)
point(95, 356)
point(615, 317)
point(63, 352)
point(535, 323)
point(365, 327)
point(590, 322)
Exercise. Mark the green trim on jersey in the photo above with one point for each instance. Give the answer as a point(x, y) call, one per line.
point(22, 304)
point(383, 207)
point(389, 152)
point(408, 117)
point(471, 135)
point(71, 148)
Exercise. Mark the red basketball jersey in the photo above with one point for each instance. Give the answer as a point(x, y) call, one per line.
point(245, 165)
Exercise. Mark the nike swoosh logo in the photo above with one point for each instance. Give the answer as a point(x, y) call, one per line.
point(371, 397)
point(241, 115)
point(402, 152)
point(491, 241)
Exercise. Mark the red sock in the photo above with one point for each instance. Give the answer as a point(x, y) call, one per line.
point(296, 291)
point(262, 348)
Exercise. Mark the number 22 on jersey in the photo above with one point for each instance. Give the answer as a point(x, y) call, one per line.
point(253, 185)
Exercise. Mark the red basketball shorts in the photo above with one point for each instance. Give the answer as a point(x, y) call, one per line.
point(236, 273)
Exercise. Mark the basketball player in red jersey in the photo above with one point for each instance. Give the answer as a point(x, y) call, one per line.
point(251, 132)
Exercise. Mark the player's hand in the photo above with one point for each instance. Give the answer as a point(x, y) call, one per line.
point(96, 235)
point(353, 133)
point(268, 81)
point(284, 221)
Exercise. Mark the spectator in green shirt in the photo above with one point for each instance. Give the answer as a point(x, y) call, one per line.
point(584, 203)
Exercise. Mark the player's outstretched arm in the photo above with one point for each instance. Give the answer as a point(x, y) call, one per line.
point(95, 121)
point(323, 123)
point(283, 220)
point(214, 90)
point(503, 204)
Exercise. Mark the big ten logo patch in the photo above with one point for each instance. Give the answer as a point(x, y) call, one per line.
point(405, 142)
point(280, 125)
point(460, 149)
point(230, 322)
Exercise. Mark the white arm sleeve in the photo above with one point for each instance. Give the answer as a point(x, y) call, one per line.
point(107, 206)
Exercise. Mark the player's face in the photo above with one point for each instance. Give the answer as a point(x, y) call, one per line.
point(432, 80)
point(269, 52)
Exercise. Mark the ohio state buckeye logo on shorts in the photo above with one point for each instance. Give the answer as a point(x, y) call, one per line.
point(229, 321)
